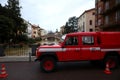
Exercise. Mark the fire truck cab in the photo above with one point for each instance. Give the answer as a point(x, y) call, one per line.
point(97, 47)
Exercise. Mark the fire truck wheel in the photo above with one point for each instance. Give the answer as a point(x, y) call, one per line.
point(48, 64)
point(113, 62)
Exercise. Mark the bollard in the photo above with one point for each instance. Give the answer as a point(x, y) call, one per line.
point(30, 57)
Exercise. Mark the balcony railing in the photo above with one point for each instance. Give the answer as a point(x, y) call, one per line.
point(114, 24)
point(103, 0)
point(116, 7)
point(112, 9)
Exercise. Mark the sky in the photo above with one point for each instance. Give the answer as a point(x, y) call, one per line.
point(52, 14)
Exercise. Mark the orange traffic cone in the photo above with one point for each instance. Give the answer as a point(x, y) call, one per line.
point(3, 72)
point(107, 69)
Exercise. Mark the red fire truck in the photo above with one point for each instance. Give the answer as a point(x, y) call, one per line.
point(101, 47)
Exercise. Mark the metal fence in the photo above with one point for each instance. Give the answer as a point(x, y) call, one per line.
point(18, 50)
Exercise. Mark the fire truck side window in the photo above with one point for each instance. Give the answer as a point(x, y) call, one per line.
point(87, 40)
point(72, 41)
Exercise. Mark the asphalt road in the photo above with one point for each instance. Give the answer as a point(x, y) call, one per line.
point(65, 71)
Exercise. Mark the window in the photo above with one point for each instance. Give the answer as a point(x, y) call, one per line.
point(91, 30)
point(118, 15)
point(71, 41)
point(99, 22)
point(87, 40)
point(99, 10)
point(106, 19)
point(96, 1)
point(96, 22)
point(83, 27)
point(117, 1)
point(90, 22)
point(83, 16)
point(34, 32)
point(93, 13)
point(107, 5)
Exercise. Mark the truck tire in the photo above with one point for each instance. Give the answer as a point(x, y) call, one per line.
point(48, 64)
point(113, 62)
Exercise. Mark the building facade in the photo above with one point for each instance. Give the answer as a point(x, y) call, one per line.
point(29, 29)
point(36, 33)
point(86, 21)
point(62, 29)
point(107, 15)
point(43, 32)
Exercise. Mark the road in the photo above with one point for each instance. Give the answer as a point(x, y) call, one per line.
point(65, 71)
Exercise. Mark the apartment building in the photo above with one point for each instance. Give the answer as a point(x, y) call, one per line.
point(86, 21)
point(29, 29)
point(36, 33)
point(107, 15)
point(43, 32)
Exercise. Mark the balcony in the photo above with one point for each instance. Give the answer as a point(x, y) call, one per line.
point(111, 9)
point(111, 26)
point(103, 0)
point(105, 12)
point(116, 7)
point(101, 12)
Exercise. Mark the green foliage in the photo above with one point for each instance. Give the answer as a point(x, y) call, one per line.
point(12, 26)
point(22, 38)
point(38, 39)
point(13, 5)
point(19, 27)
point(71, 25)
point(6, 26)
point(31, 41)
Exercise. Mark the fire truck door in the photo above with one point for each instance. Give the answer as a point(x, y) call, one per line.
point(72, 48)
point(88, 49)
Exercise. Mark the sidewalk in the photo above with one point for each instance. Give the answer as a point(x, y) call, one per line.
point(16, 58)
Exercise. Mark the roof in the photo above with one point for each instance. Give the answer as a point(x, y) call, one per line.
point(86, 11)
point(81, 33)
point(93, 33)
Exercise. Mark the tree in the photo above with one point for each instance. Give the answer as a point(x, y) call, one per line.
point(19, 25)
point(71, 25)
point(11, 22)
point(6, 26)
point(14, 6)
point(4, 11)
